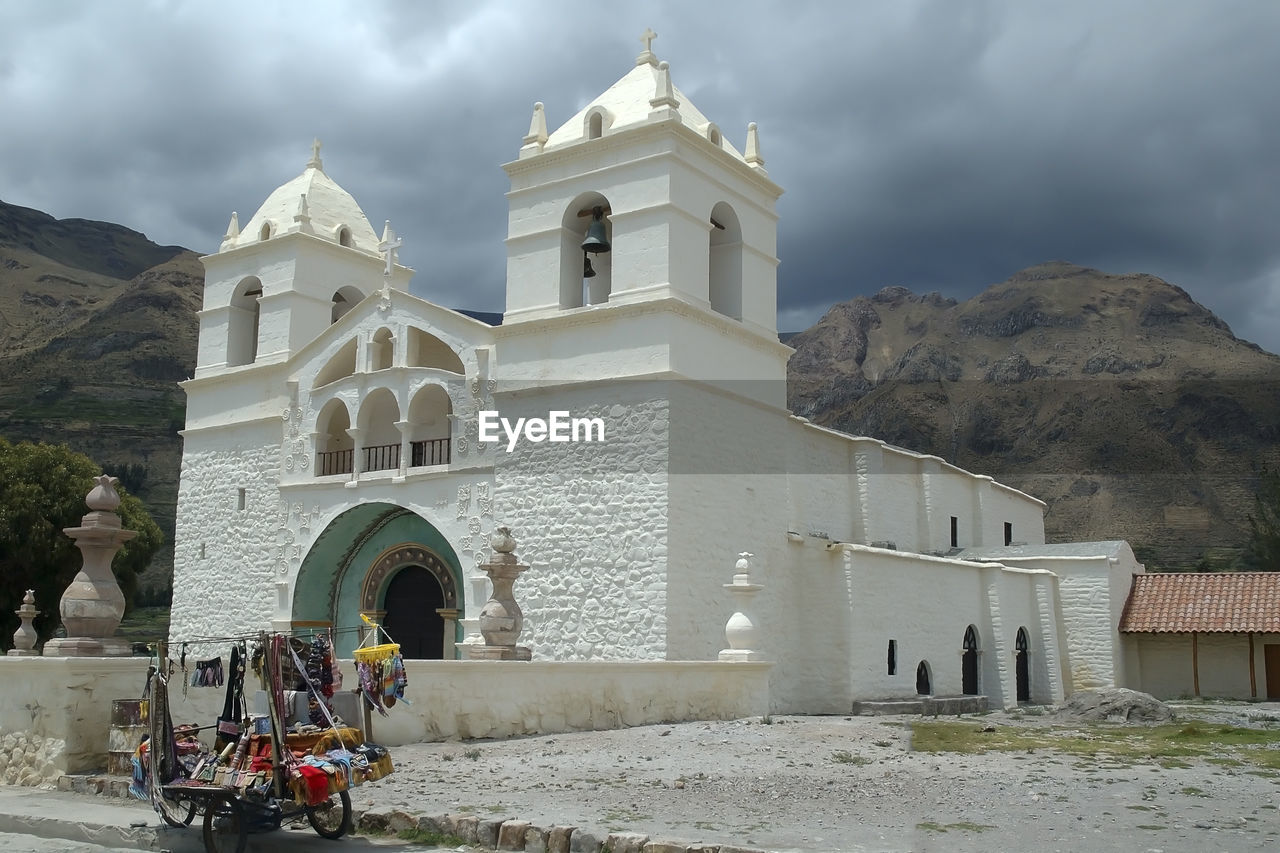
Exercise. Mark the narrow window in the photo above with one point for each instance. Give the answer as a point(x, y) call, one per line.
point(202, 550)
point(344, 236)
point(240, 499)
point(893, 657)
point(596, 127)
point(955, 532)
point(265, 233)
point(1008, 533)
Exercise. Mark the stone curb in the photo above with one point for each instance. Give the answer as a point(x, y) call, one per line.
point(513, 834)
point(507, 835)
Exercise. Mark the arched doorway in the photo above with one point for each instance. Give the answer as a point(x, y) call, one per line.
point(1022, 665)
point(969, 663)
point(410, 604)
point(409, 585)
point(923, 686)
point(350, 564)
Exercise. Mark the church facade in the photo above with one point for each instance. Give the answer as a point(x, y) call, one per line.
point(335, 462)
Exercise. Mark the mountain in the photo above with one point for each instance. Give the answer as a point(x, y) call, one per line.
point(97, 327)
point(1130, 409)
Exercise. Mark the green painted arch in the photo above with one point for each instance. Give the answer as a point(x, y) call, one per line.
point(331, 579)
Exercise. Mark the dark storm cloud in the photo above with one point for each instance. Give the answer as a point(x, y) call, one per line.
point(938, 145)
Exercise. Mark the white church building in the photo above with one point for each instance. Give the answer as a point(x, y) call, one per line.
point(333, 464)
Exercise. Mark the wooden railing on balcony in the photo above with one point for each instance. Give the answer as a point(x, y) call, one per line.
point(334, 462)
point(434, 451)
point(381, 457)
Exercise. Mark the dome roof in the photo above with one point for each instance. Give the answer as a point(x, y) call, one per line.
point(630, 101)
point(328, 211)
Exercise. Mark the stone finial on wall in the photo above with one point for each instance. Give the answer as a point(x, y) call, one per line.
point(740, 631)
point(24, 639)
point(93, 604)
point(501, 620)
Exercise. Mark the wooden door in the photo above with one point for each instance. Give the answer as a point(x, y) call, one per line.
point(411, 601)
point(1271, 655)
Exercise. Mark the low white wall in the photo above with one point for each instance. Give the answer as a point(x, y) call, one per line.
point(1165, 662)
point(494, 699)
point(55, 713)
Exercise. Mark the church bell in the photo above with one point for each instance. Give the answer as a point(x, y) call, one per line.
point(596, 241)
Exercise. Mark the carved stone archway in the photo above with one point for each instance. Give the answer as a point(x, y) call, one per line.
point(434, 635)
point(396, 558)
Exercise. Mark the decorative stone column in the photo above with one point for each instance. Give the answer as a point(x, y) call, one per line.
point(92, 606)
point(740, 630)
point(24, 639)
point(500, 619)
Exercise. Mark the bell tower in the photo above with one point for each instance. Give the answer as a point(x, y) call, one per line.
point(304, 259)
point(639, 208)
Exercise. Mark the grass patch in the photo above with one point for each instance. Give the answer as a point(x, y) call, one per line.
point(1152, 826)
point(963, 826)
point(1193, 791)
point(473, 754)
point(430, 837)
point(1169, 744)
point(844, 756)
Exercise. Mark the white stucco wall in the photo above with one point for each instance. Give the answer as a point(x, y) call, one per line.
point(926, 604)
point(485, 699)
point(1167, 671)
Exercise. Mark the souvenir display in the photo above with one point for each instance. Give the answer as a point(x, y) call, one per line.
point(263, 770)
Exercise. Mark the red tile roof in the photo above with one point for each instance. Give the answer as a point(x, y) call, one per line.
point(1203, 601)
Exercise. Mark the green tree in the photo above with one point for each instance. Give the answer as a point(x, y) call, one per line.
point(1262, 551)
point(42, 490)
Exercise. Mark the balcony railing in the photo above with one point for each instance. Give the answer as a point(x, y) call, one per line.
point(334, 462)
point(434, 451)
point(381, 457)
point(384, 457)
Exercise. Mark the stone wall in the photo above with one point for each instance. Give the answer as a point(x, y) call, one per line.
point(226, 558)
point(590, 520)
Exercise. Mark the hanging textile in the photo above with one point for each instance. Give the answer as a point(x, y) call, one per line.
point(233, 709)
point(208, 673)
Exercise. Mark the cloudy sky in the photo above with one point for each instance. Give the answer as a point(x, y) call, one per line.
point(937, 144)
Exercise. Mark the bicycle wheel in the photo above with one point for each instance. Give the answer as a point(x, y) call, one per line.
point(224, 827)
point(177, 811)
point(330, 819)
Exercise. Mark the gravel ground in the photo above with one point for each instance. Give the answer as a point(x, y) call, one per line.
point(841, 784)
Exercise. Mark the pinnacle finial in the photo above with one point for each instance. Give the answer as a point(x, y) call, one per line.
point(752, 155)
point(647, 56)
point(315, 162)
point(664, 94)
point(390, 242)
point(537, 126)
point(233, 227)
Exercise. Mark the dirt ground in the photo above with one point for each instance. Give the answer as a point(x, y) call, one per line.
point(848, 784)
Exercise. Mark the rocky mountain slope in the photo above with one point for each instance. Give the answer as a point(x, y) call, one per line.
point(97, 326)
point(1125, 405)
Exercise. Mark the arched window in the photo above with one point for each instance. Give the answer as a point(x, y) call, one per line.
point(429, 438)
point(426, 350)
point(342, 365)
point(924, 679)
point(343, 300)
point(379, 436)
point(713, 134)
point(595, 127)
point(344, 236)
point(577, 288)
point(724, 272)
point(334, 447)
point(382, 349)
point(1022, 665)
point(264, 233)
point(969, 663)
point(242, 323)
